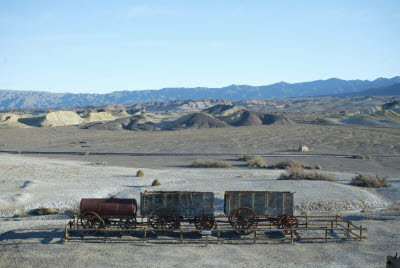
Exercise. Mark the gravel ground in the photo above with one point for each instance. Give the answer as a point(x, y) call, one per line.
point(42, 247)
point(27, 183)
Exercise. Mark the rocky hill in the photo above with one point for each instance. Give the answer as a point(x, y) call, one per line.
point(10, 99)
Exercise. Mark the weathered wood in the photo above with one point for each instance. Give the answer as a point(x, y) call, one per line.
point(184, 204)
point(264, 203)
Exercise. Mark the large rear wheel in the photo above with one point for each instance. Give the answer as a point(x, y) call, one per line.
point(244, 220)
point(163, 219)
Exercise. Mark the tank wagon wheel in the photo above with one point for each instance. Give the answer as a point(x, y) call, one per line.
point(286, 222)
point(204, 222)
point(243, 220)
point(126, 225)
point(163, 218)
point(90, 223)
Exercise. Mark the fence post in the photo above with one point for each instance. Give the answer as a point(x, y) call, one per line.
point(361, 233)
point(336, 220)
point(181, 235)
point(144, 237)
point(326, 233)
point(255, 236)
point(219, 237)
point(331, 226)
point(306, 221)
point(66, 234)
point(291, 234)
point(105, 238)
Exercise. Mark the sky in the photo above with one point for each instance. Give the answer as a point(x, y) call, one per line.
point(104, 46)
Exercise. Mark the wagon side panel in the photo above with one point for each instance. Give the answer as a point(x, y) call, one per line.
point(288, 203)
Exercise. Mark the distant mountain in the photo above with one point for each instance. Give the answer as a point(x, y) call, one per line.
point(10, 99)
point(391, 90)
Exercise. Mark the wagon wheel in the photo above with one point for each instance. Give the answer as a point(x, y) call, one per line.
point(126, 225)
point(90, 223)
point(243, 220)
point(287, 222)
point(204, 222)
point(163, 218)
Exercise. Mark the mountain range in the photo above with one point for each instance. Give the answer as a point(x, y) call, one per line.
point(13, 99)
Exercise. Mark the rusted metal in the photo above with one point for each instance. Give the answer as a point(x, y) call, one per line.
point(243, 220)
point(109, 206)
point(163, 218)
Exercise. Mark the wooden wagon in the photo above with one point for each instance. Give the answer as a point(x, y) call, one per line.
point(166, 210)
point(245, 209)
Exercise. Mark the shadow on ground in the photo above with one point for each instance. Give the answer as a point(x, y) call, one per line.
point(45, 236)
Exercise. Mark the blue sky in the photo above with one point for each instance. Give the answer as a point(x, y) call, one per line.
point(102, 46)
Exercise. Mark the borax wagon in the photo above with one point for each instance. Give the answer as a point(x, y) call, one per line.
point(246, 213)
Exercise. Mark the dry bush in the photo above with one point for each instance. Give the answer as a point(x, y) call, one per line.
point(361, 156)
point(21, 214)
point(245, 157)
point(211, 163)
point(87, 153)
point(99, 164)
point(300, 174)
point(69, 211)
point(140, 173)
point(256, 162)
point(293, 164)
point(45, 211)
point(156, 183)
point(365, 180)
point(394, 208)
point(317, 166)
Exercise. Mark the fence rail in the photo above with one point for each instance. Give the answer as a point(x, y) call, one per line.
point(311, 228)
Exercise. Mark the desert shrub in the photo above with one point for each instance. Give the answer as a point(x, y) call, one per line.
point(361, 156)
point(292, 164)
point(256, 162)
point(87, 153)
point(317, 166)
point(21, 214)
point(394, 208)
point(211, 163)
point(100, 164)
point(365, 180)
point(300, 174)
point(156, 183)
point(69, 210)
point(245, 157)
point(45, 211)
point(140, 173)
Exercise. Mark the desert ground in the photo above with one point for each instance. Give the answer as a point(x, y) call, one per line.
point(55, 167)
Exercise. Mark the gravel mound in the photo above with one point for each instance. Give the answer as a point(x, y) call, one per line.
point(135, 123)
point(252, 118)
point(61, 118)
point(198, 120)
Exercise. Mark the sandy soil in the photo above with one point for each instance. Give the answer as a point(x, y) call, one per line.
point(118, 147)
point(28, 183)
point(61, 179)
point(42, 246)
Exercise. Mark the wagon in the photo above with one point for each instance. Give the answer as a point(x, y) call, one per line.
point(97, 213)
point(245, 209)
point(166, 210)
